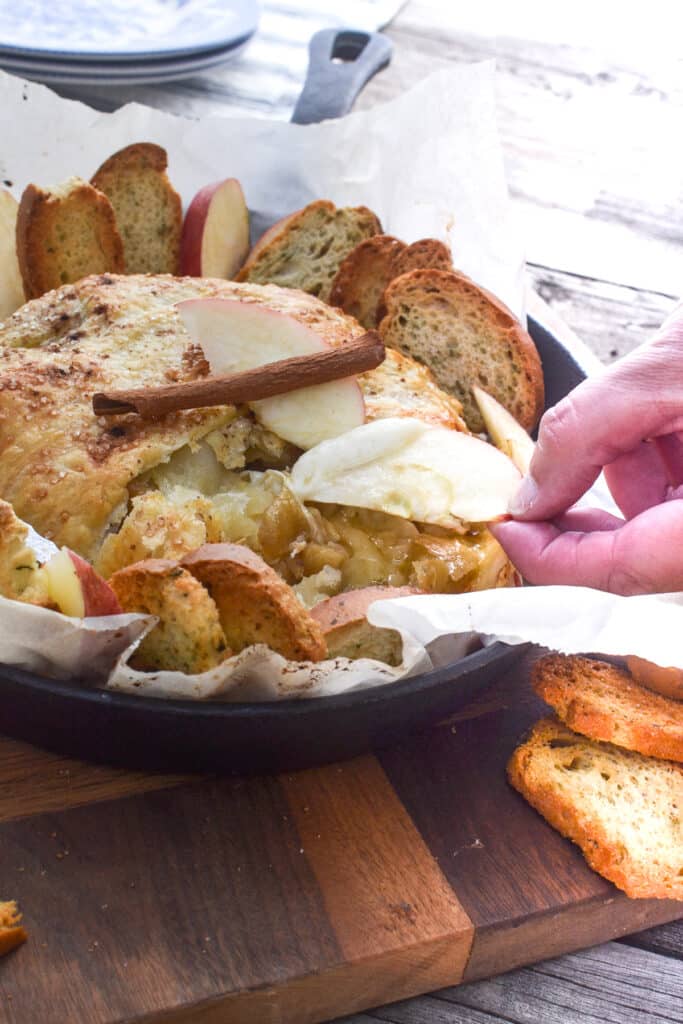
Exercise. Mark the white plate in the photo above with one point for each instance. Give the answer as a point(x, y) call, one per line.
point(121, 29)
point(133, 73)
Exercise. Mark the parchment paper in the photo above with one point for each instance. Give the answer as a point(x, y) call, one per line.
point(429, 163)
point(572, 620)
point(40, 640)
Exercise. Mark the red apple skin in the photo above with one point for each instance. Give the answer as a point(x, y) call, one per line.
point(193, 230)
point(98, 597)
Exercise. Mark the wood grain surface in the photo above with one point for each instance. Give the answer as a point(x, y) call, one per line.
point(35, 781)
point(294, 898)
point(615, 984)
point(528, 891)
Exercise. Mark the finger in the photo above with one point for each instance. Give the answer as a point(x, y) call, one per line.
point(602, 419)
point(672, 328)
point(638, 479)
point(670, 451)
point(587, 520)
point(643, 556)
point(647, 476)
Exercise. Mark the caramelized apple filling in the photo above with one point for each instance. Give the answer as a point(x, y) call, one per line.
point(204, 494)
point(198, 496)
point(321, 550)
point(385, 549)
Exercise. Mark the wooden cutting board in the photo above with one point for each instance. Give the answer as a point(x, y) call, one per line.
point(296, 898)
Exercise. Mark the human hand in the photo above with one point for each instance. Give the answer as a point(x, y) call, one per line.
point(629, 421)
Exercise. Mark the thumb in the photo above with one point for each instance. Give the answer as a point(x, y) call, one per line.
point(602, 419)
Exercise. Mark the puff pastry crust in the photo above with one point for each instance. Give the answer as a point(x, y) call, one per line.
point(67, 472)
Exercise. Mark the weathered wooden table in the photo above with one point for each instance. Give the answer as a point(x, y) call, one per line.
point(590, 119)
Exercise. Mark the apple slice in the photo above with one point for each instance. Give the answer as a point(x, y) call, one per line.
point(11, 288)
point(504, 430)
point(215, 238)
point(76, 589)
point(238, 336)
point(407, 468)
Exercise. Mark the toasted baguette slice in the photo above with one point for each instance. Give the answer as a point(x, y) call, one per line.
point(12, 934)
point(425, 254)
point(364, 275)
point(188, 637)
point(254, 604)
point(11, 286)
point(348, 633)
point(65, 233)
point(467, 337)
point(148, 209)
point(622, 809)
point(305, 249)
point(602, 702)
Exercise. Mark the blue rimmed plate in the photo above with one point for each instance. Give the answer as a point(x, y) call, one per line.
point(123, 29)
point(139, 72)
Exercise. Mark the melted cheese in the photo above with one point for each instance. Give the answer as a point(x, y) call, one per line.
point(406, 468)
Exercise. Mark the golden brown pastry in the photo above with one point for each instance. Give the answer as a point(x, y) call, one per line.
point(63, 470)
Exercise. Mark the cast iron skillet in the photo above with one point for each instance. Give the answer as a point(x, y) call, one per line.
point(142, 732)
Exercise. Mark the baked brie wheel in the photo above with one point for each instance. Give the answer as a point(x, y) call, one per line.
point(118, 491)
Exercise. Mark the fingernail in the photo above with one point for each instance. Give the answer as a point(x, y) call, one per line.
point(525, 497)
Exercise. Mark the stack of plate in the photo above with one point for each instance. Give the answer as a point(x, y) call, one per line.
point(121, 42)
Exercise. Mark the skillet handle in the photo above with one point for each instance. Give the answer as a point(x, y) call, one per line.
point(341, 61)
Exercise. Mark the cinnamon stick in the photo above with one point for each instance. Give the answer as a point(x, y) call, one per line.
point(237, 388)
